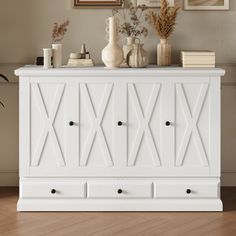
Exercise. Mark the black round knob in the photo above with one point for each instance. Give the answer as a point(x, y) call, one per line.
point(53, 191)
point(188, 191)
point(168, 123)
point(119, 191)
point(71, 123)
point(120, 123)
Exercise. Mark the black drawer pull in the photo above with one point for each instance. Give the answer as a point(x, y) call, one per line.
point(119, 191)
point(188, 191)
point(53, 191)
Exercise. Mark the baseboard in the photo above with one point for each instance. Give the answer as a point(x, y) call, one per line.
point(11, 178)
point(119, 205)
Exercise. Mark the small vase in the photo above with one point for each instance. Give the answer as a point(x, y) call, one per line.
point(128, 47)
point(163, 53)
point(47, 58)
point(57, 55)
point(137, 57)
point(112, 54)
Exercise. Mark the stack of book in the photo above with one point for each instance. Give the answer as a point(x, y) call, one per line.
point(197, 59)
point(81, 59)
point(80, 62)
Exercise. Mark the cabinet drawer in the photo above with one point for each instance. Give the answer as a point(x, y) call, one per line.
point(120, 190)
point(187, 190)
point(52, 190)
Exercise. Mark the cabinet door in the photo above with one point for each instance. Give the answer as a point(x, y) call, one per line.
point(47, 126)
point(196, 119)
point(96, 125)
point(144, 128)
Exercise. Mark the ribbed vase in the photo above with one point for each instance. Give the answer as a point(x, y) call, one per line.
point(137, 57)
point(163, 53)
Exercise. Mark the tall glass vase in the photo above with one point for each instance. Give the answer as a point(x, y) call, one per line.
point(163, 53)
point(112, 54)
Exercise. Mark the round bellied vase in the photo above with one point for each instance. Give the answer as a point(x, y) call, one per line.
point(137, 57)
point(112, 54)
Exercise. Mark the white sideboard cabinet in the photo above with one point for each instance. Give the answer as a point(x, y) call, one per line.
point(94, 139)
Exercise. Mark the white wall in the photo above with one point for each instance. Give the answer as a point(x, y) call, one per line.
point(25, 28)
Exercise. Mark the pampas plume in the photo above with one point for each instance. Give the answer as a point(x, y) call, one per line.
point(59, 31)
point(164, 22)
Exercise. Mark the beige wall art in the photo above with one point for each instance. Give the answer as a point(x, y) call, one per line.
point(153, 3)
point(206, 4)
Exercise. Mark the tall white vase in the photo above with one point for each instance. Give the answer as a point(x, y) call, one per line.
point(57, 55)
point(112, 54)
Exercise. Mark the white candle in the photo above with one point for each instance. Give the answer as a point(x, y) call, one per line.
point(47, 54)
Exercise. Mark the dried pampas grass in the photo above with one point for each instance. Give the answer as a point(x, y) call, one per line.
point(164, 22)
point(59, 31)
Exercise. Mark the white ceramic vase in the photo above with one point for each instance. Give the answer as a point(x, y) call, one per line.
point(137, 57)
point(164, 53)
point(112, 54)
point(57, 55)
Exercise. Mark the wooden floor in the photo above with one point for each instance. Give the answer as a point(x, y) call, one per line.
point(114, 224)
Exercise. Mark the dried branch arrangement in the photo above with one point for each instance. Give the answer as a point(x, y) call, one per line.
point(59, 31)
point(131, 20)
point(164, 22)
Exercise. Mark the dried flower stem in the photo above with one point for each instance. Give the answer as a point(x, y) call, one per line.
point(132, 19)
point(59, 31)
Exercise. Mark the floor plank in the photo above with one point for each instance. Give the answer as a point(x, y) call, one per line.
point(14, 223)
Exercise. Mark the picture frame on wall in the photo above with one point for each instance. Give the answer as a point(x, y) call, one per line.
point(206, 4)
point(97, 3)
point(153, 3)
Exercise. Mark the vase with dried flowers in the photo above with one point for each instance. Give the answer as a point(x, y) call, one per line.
point(131, 26)
point(164, 25)
point(58, 33)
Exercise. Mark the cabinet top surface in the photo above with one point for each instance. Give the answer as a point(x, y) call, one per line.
point(101, 71)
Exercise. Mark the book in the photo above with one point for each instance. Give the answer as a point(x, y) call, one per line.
point(197, 53)
point(80, 62)
point(197, 66)
point(197, 58)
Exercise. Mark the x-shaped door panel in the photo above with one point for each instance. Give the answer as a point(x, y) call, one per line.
point(48, 129)
point(144, 120)
point(96, 128)
point(192, 128)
